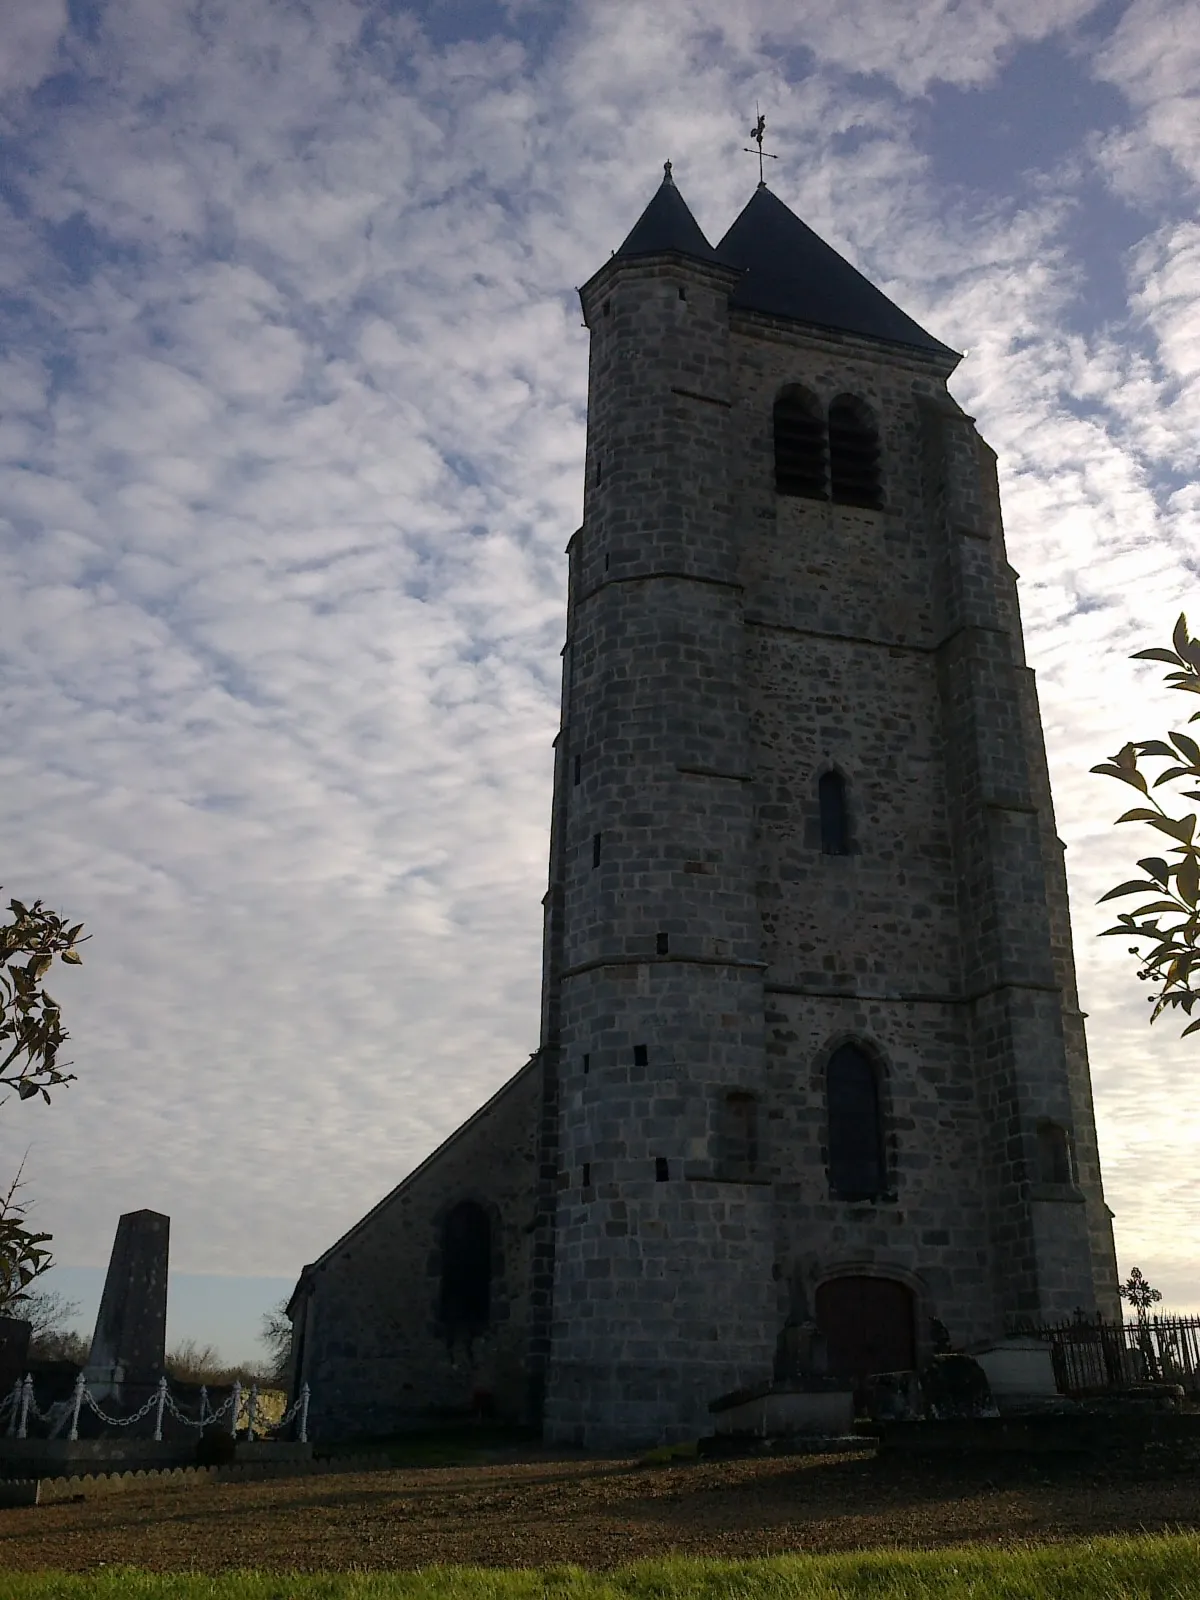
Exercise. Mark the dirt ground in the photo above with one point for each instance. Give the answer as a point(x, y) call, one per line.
point(596, 1513)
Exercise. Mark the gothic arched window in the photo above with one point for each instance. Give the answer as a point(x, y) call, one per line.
point(835, 814)
point(799, 445)
point(856, 1165)
point(1055, 1163)
point(466, 1299)
point(854, 453)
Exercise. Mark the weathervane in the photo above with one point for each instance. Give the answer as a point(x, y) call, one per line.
point(756, 133)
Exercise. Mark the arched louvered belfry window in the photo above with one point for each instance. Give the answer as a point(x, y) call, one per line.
point(466, 1298)
point(854, 453)
point(835, 814)
point(800, 445)
point(856, 1164)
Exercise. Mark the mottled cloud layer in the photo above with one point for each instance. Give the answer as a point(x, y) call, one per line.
point(294, 391)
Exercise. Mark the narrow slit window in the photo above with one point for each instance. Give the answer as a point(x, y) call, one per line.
point(835, 814)
point(854, 454)
point(587, 1065)
point(587, 1174)
point(856, 1166)
point(799, 445)
point(682, 292)
point(641, 1055)
point(595, 849)
point(738, 1147)
point(662, 1171)
point(578, 772)
point(1054, 1155)
point(662, 944)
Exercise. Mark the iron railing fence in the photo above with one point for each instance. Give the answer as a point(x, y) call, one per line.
point(1095, 1356)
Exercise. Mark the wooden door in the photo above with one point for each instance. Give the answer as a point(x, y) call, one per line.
point(868, 1325)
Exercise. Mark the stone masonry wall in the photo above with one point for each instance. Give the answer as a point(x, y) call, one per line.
point(373, 1348)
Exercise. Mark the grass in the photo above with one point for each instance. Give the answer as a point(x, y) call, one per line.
point(1157, 1568)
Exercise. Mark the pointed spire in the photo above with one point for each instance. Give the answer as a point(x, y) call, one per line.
point(788, 271)
point(667, 227)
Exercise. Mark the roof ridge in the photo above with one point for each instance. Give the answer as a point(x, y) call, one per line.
point(789, 271)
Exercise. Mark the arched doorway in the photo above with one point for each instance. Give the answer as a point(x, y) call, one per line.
point(869, 1326)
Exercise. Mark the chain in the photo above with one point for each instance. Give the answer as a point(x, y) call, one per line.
point(116, 1422)
point(191, 1422)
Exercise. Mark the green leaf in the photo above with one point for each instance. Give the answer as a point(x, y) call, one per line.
point(1134, 886)
point(1176, 772)
point(1189, 747)
point(1191, 1028)
point(25, 1089)
point(1187, 878)
point(1139, 814)
point(1181, 828)
point(1179, 638)
point(1159, 905)
point(1156, 867)
point(1157, 747)
point(73, 958)
point(1157, 655)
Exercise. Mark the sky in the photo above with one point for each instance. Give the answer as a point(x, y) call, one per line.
point(292, 409)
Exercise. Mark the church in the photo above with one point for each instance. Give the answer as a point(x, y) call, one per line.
point(810, 1034)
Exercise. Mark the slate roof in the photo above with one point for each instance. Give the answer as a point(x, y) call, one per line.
point(667, 225)
point(790, 272)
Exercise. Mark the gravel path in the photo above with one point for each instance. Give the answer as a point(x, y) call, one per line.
point(594, 1513)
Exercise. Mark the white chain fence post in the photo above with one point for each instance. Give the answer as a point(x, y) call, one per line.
point(236, 1407)
point(251, 1408)
point(14, 1401)
point(76, 1403)
point(158, 1411)
point(203, 1404)
point(303, 1429)
point(26, 1402)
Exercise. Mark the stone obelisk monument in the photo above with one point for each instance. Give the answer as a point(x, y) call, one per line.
point(129, 1345)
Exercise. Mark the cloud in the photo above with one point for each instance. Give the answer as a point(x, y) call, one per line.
point(1153, 56)
point(294, 443)
point(29, 45)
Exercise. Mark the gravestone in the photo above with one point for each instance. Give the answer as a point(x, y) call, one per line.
point(129, 1345)
point(956, 1386)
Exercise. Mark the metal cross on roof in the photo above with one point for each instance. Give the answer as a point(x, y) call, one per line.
point(756, 133)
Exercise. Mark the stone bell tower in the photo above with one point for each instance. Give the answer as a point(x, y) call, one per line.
point(810, 1027)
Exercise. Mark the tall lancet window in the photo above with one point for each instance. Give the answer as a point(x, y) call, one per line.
point(854, 453)
point(835, 814)
point(799, 445)
point(856, 1164)
point(466, 1297)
